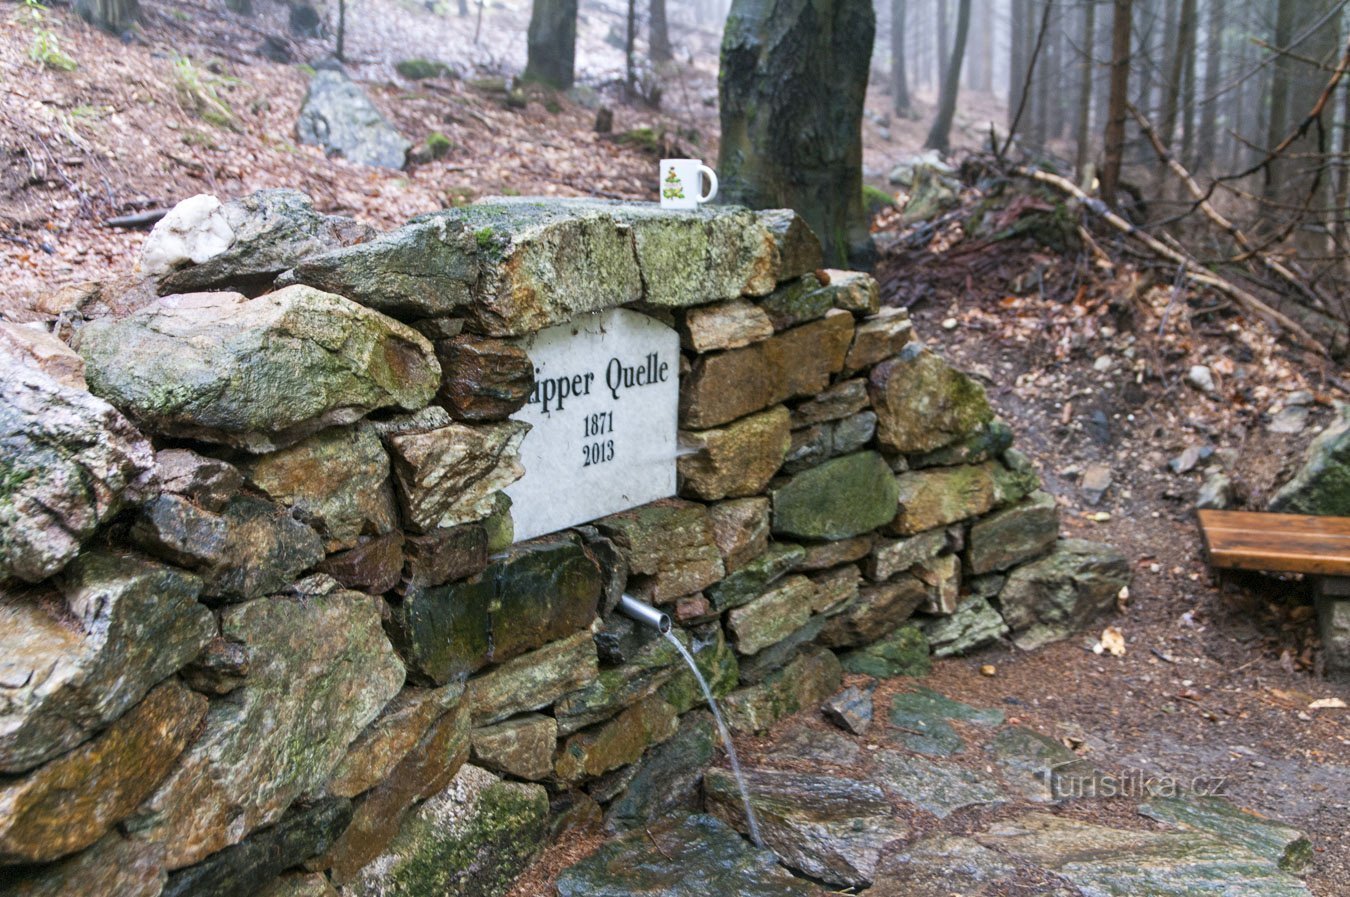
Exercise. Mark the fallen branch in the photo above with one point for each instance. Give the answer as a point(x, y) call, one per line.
point(137, 221)
point(1299, 283)
point(1194, 269)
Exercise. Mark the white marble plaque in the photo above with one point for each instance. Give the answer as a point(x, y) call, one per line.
point(604, 414)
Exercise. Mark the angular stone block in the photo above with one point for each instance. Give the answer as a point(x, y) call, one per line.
point(1009, 537)
point(839, 499)
point(483, 379)
point(450, 475)
point(72, 666)
point(922, 403)
point(256, 373)
point(337, 481)
point(537, 593)
point(670, 549)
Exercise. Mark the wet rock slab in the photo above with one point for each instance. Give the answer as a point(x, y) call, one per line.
point(922, 716)
point(1122, 863)
point(695, 856)
point(832, 828)
point(941, 866)
point(937, 788)
point(1288, 847)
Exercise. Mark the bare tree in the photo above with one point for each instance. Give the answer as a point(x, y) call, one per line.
point(658, 32)
point(939, 137)
point(1088, 36)
point(899, 82)
point(551, 42)
point(116, 16)
point(1113, 142)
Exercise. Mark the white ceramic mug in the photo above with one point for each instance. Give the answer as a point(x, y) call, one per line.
point(681, 183)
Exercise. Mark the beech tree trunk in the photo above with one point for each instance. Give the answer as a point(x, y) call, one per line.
point(939, 137)
point(1114, 139)
point(793, 79)
point(111, 15)
point(658, 32)
point(1209, 110)
point(899, 80)
point(551, 43)
point(1083, 124)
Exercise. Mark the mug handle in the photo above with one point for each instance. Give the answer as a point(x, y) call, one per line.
point(712, 179)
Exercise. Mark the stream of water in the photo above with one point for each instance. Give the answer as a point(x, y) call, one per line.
point(726, 738)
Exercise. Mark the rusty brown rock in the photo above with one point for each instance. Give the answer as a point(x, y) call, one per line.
point(617, 743)
point(69, 803)
point(740, 529)
point(822, 555)
point(735, 460)
point(670, 549)
point(875, 612)
point(382, 745)
point(481, 378)
point(113, 866)
point(839, 401)
point(374, 567)
point(451, 474)
point(878, 338)
point(796, 362)
point(336, 480)
point(379, 813)
point(444, 555)
point(724, 325)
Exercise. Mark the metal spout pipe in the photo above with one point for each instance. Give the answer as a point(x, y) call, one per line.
point(644, 613)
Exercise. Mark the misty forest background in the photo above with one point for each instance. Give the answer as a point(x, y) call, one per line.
point(1219, 127)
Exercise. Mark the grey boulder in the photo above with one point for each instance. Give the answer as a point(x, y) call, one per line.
point(338, 116)
point(256, 373)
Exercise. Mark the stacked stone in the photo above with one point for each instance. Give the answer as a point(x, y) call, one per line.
point(264, 627)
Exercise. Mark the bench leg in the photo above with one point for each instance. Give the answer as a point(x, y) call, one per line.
point(1333, 623)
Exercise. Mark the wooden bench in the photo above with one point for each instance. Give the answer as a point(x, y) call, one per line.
point(1286, 543)
point(1291, 543)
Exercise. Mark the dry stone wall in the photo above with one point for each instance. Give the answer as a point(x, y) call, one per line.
point(265, 627)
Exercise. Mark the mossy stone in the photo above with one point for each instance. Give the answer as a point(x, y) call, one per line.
point(841, 498)
point(903, 653)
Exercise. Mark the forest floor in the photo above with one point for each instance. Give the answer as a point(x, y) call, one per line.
point(1084, 354)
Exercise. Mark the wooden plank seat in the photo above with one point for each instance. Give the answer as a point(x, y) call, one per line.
point(1288, 543)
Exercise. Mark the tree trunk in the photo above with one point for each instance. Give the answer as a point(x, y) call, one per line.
point(111, 15)
point(940, 57)
point(1085, 88)
point(552, 43)
point(899, 82)
point(1208, 145)
point(658, 32)
point(1180, 48)
point(339, 50)
point(1017, 62)
point(463, 8)
point(792, 84)
point(1114, 138)
point(939, 138)
point(630, 42)
point(1295, 85)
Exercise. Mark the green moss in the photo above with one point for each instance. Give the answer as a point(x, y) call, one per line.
point(438, 144)
point(418, 69)
point(646, 139)
point(876, 199)
point(482, 860)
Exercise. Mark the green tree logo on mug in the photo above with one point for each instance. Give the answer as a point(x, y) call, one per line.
point(681, 183)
